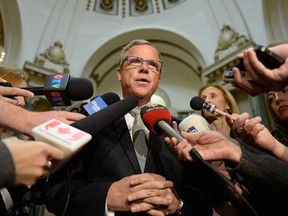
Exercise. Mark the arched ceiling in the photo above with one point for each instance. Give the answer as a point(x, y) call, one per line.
point(131, 7)
point(178, 54)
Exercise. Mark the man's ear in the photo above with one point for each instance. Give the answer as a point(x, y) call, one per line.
point(118, 75)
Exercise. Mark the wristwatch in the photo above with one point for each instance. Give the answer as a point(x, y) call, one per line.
point(180, 207)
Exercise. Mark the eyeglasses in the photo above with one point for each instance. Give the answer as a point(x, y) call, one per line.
point(153, 65)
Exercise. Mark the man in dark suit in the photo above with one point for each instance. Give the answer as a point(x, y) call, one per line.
point(106, 178)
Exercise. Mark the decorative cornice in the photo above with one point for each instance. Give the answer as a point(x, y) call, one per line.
point(88, 4)
point(53, 58)
point(214, 72)
point(229, 41)
point(230, 44)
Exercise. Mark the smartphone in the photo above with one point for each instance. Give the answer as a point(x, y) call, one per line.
point(265, 56)
point(5, 84)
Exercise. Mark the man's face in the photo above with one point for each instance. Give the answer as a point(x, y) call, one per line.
point(142, 80)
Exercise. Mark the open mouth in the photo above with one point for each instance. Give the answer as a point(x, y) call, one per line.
point(142, 80)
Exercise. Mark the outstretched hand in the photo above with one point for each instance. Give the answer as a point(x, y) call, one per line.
point(261, 79)
point(252, 132)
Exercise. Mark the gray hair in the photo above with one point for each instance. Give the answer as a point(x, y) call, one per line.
point(135, 43)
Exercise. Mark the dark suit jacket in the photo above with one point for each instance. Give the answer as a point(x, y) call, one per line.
point(108, 158)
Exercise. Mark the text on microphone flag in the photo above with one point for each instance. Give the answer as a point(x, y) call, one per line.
point(62, 132)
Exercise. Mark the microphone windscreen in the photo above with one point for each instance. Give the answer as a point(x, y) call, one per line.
point(151, 115)
point(196, 103)
point(96, 122)
point(194, 123)
point(110, 98)
point(80, 89)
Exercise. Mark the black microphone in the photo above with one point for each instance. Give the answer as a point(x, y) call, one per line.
point(99, 103)
point(198, 103)
point(95, 104)
point(96, 122)
point(59, 89)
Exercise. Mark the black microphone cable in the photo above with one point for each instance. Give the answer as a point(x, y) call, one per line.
point(196, 155)
point(68, 192)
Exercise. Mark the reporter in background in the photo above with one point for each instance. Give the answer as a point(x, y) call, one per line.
point(253, 132)
point(262, 79)
point(278, 107)
point(224, 101)
point(265, 176)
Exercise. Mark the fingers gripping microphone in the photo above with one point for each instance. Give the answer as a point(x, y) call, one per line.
point(198, 103)
point(158, 119)
point(59, 89)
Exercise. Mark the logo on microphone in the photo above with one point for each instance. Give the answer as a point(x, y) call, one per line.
point(56, 81)
point(192, 130)
point(95, 105)
point(55, 89)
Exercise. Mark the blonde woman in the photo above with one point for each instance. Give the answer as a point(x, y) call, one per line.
point(224, 101)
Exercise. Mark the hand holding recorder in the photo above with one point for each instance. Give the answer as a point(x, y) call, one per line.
point(267, 69)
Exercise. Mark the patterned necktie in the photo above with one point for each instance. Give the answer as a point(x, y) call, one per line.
point(139, 138)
